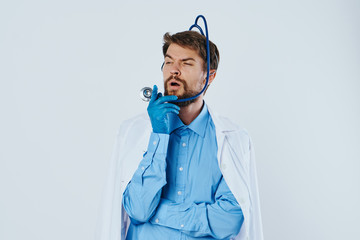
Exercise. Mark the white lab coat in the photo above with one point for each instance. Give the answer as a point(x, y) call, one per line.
point(236, 161)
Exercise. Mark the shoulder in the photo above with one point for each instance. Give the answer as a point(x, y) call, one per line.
point(226, 125)
point(236, 135)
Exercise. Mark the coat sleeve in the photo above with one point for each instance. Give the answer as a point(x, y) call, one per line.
point(108, 225)
point(255, 228)
point(239, 170)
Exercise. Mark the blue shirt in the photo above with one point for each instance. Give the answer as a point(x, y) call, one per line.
point(178, 191)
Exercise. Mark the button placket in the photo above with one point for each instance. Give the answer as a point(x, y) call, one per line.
point(183, 158)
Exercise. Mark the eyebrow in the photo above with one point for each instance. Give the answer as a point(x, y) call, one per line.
point(183, 60)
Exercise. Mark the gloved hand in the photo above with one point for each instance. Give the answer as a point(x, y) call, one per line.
point(159, 108)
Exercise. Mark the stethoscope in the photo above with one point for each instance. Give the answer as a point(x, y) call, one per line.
point(145, 93)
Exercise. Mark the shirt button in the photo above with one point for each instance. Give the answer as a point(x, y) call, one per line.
point(154, 142)
point(179, 192)
point(184, 144)
point(182, 225)
point(142, 168)
point(157, 220)
point(180, 169)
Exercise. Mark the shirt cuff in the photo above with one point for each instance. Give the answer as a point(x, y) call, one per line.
point(183, 217)
point(160, 216)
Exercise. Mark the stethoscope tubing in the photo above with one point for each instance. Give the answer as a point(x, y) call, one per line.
point(207, 56)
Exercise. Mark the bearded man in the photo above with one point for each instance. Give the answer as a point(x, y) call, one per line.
point(181, 171)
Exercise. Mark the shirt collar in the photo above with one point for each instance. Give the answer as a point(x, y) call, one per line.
point(198, 125)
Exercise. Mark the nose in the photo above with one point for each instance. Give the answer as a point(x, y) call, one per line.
point(175, 70)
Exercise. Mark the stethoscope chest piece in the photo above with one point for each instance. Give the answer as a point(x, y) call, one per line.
point(145, 94)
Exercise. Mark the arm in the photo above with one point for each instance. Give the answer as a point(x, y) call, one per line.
point(143, 192)
point(221, 219)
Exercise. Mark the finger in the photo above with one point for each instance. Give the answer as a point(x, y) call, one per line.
point(166, 99)
point(158, 96)
point(171, 110)
point(166, 106)
point(154, 94)
point(170, 105)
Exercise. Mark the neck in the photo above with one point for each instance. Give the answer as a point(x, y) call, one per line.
point(189, 113)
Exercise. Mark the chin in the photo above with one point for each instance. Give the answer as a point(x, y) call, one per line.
point(172, 92)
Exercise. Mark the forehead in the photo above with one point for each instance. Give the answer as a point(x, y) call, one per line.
point(177, 51)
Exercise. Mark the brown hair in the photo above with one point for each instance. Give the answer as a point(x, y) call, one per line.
point(195, 41)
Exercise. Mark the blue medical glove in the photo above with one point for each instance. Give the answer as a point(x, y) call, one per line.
point(159, 108)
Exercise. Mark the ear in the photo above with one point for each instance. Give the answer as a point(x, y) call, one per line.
point(211, 77)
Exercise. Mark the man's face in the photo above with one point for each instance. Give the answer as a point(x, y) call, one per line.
point(183, 73)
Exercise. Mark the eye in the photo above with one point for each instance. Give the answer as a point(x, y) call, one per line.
point(167, 63)
point(188, 64)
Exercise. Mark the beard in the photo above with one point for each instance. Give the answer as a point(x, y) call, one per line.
point(187, 93)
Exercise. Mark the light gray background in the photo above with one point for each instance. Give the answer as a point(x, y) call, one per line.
point(71, 71)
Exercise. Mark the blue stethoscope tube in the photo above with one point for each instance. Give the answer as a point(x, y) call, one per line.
point(146, 92)
point(207, 57)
